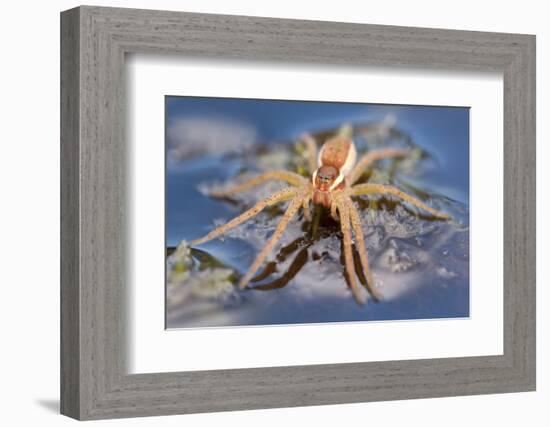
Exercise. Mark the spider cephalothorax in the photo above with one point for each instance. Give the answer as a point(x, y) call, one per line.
point(324, 180)
point(335, 172)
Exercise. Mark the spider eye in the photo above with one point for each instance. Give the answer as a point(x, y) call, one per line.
point(326, 174)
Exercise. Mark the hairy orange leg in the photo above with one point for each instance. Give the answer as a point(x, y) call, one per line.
point(280, 196)
point(311, 149)
point(280, 175)
point(366, 189)
point(343, 209)
point(334, 211)
point(305, 206)
point(283, 223)
point(360, 244)
point(369, 158)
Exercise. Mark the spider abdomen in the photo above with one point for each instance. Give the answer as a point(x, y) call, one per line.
point(338, 152)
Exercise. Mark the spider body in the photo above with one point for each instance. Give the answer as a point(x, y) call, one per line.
point(336, 158)
point(334, 173)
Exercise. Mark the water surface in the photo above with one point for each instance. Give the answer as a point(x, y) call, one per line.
point(420, 265)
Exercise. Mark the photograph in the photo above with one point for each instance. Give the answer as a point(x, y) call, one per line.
point(300, 212)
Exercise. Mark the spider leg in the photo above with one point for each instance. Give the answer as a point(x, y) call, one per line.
point(311, 147)
point(371, 157)
point(333, 211)
point(360, 244)
point(280, 196)
point(343, 209)
point(283, 223)
point(280, 175)
point(305, 207)
point(365, 189)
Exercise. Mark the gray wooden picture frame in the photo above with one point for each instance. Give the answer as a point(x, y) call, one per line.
point(94, 381)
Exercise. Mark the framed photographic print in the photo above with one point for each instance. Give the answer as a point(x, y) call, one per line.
point(280, 213)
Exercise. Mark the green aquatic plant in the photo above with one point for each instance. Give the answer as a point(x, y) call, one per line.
point(192, 273)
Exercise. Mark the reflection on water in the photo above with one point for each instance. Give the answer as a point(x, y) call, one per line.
point(420, 265)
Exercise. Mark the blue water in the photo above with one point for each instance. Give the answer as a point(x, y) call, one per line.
point(421, 266)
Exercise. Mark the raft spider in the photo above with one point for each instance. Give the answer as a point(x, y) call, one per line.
point(334, 173)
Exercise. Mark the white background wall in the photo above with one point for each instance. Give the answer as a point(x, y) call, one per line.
point(29, 233)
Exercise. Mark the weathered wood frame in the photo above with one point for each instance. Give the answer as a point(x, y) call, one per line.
point(94, 41)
